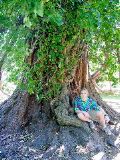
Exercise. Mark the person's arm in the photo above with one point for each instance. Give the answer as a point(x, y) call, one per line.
point(94, 105)
point(76, 108)
point(77, 111)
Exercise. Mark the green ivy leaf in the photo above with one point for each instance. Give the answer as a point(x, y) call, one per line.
point(39, 8)
point(27, 22)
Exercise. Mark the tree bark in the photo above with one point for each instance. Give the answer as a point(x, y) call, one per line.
point(1, 65)
point(64, 114)
point(18, 111)
point(21, 108)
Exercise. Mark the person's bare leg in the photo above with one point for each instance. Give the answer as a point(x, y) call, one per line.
point(101, 118)
point(86, 114)
point(83, 117)
point(107, 119)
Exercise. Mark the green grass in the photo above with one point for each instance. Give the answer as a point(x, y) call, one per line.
point(110, 96)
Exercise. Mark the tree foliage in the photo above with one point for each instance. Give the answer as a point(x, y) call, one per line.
point(38, 34)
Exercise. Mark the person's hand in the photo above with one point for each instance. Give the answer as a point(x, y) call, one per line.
point(78, 111)
point(86, 114)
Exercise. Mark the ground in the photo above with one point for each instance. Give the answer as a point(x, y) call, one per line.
point(49, 141)
point(46, 140)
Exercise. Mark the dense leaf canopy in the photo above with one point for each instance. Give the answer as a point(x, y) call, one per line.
point(36, 36)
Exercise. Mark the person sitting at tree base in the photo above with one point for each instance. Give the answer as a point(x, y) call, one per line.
point(88, 110)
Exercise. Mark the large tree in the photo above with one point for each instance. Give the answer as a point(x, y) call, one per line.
point(50, 46)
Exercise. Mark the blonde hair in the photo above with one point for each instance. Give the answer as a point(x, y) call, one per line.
point(85, 89)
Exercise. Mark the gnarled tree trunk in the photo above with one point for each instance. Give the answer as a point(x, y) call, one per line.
point(21, 108)
point(80, 79)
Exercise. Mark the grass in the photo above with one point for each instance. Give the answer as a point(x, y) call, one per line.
point(110, 96)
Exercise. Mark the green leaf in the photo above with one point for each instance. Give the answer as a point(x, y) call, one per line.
point(39, 8)
point(27, 22)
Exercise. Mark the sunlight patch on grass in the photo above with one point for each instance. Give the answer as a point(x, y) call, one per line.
point(111, 96)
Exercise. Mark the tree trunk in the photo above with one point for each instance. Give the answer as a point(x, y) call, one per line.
point(80, 80)
point(18, 111)
point(1, 65)
point(55, 122)
point(21, 108)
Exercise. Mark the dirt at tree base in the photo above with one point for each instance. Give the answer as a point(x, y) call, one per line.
point(46, 140)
